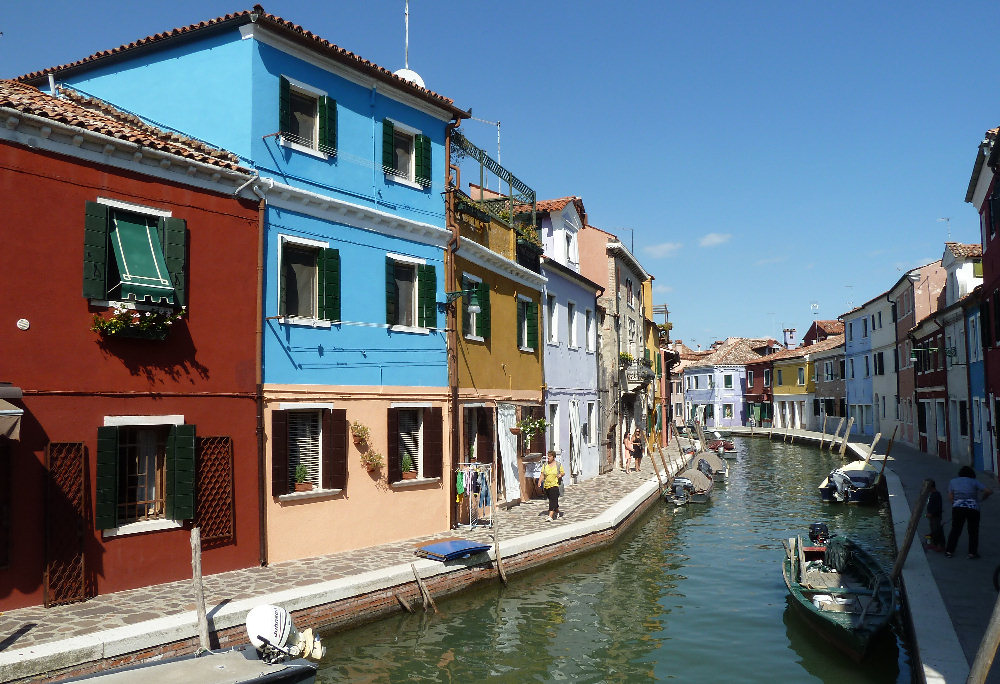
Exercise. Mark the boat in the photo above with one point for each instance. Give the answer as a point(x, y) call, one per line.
point(693, 484)
point(277, 654)
point(720, 467)
point(717, 443)
point(840, 588)
point(855, 482)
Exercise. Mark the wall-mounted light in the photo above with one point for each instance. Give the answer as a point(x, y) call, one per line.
point(471, 295)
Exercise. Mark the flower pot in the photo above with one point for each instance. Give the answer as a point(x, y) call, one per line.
point(515, 430)
point(371, 467)
point(303, 486)
point(410, 475)
point(358, 440)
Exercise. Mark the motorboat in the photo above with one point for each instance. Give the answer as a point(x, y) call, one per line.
point(855, 482)
point(692, 485)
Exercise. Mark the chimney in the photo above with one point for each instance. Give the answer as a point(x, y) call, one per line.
point(789, 337)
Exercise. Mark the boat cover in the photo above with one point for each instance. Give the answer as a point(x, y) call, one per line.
point(452, 549)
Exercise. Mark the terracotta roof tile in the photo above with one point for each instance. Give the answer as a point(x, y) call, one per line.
point(963, 251)
point(99, 116)
point(551, 205)
point(831, 327)
point(259, 16)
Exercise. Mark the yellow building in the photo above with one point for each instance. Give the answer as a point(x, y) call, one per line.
point(495, 352)
point(793, 385)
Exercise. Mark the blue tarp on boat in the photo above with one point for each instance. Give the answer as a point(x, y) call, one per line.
point(450, 550)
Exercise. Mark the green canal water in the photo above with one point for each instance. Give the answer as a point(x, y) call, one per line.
point(693, 595)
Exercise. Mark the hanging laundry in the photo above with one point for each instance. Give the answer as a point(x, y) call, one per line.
point(459, 486)
point(485, 500)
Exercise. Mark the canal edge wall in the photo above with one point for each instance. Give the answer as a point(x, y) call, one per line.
point(938, 653)
point(333, 605)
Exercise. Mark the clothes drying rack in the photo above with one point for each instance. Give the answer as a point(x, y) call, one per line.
point(479, 515)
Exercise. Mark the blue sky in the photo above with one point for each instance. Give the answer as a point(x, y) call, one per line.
point(773, 162)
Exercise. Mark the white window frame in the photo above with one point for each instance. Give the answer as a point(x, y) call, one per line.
point(309, 321)
point(418, 410)
point(410, 179)
point(767, 377)
point(749, 379)
point(592, 427)
point(523, 323)
point(780, 376)
point(727, 381)
point(553, 418)
point(552, 318)
point(800, 376)
point(415, 262)
point(470, 334)
point(315, 93)
point(591, 337)
point(571, 337)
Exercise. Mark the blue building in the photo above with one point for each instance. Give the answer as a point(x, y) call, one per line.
point(858, 370)
point(350, 164)
point(981, 441)
point(715, 387)
point(570, 329)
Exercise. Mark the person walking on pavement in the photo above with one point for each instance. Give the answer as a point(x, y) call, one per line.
point(963, 492)
point(627, 448)
point(549, 479)
point(934, 510)
point(638, 442)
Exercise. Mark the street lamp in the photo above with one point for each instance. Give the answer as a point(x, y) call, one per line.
point(472, 297)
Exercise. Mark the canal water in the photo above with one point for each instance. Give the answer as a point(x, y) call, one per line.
point(692, 594)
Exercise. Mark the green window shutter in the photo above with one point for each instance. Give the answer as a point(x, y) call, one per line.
point(388, 158)
point(174, 236)
point(483, 319)
point(393, 463)
point(106, 499)
point(279, 453)
point(422, 150)
point(391, 295)
point(658, 371)
point(427, 296)
point(335, 449)
point(522, 314)
point(329, 284)
point(433, 447)
point(532, 312)
point(180, 473)
point(645, 353)
point(284, 105)
point(977, 269)
point(95, 251)
point(467, 284)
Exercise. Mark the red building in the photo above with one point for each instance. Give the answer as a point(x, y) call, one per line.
point(931, 386)
point(131, 434)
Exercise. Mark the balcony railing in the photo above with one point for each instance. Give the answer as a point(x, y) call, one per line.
point(511, 200)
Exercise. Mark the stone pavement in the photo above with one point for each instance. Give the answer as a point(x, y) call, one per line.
point(27, 629)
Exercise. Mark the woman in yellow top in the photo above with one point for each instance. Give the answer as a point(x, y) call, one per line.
point(548, 479)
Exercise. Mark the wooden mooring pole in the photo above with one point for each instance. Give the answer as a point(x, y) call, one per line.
point(836, 432)
point(983, 661)
point(822, 437)
point(911, 529)
point(199, 588)
point(847, 433)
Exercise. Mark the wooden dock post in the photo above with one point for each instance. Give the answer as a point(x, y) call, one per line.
point(987, 649)
point(822, 437)
point(911, 529)
point(199, 589)
point(871, 449)
point(847, 433)
point(652, 459)
point(836, 432)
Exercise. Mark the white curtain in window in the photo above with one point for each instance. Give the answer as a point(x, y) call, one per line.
point(575, 438)
point(506, 418)
point(409, 436)
point(304, 444)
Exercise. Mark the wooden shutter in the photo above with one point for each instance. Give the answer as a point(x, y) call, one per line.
point(174, 232)
point(522, 315)
point(483, 318)
point(329, 284)
point(391, 294)
point(394, 465)
point(994, 217)
point(532, 314)
point(106, 497)
point(95, 251)
point(977, 269)
point(180, 460)
point(433, 454)
point(422, 151)
point(426, 296)
point(996, 315)
point(388, 145)
point(284, 105)
point(279, 453)
point(327, 110)
point(485, 436)
point(335, 449)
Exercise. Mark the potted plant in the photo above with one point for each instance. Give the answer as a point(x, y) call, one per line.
point(625, 359)
point(359, 433)
point(529, 427)
point(371, 460)
point(301, 473)
point(407, 467)
point(128, 322)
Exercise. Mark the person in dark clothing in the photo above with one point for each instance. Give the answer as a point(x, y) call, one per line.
point(964, 491)
point(934, 510)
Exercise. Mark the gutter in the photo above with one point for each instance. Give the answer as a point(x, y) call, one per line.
point(451, 324)
point(258, 370)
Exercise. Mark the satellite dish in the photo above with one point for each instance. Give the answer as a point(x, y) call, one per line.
point(411, 76)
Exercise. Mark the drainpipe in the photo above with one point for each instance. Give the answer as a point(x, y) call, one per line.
point(451, 325)
point(895, 340)
point(258, 368)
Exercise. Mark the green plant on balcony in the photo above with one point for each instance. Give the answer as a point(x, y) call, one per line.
point(127, 322)
point(527, 233)
point(625, 359)
point(529, 427)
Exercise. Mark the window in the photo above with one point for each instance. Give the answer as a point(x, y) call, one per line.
point(629, 295)
point(767, 377)
point(476, 325)
point(591, 337)
point(802, 375)
point(632, 337)
point(864, 327)
point(416, 432)
point(309, 284)
point(780, 378)
point(696, 382)
point(550, 318)
point(850, 331)
point(145, 471)
point(727, 410)
point(410, 293)
point(879, 319)
point(527, 324)
point(592, 427)
point(553, 444)
point(827, 371)
point(571, 325)
point(710, 381)
point(727, 380)
point(852, 369)
point(406, 154)
point(976, 434)
point(307, 117)
point(749, 378)
point(311, 435)
point(134, 253)
point(843, 372)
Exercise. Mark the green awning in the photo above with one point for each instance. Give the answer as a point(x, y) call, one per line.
point(136, 244)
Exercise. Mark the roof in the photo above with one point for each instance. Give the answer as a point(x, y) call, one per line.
point(260, 17)
point(831, 327)
point(831, 342)
point(963, 251)
point(734, 351)
point(98, 116)
point(552, 205)
point(984, 151)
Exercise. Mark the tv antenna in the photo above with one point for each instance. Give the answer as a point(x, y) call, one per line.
point(947, 223)
point(814, 307)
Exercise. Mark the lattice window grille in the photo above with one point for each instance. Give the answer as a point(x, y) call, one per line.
point(215, 489)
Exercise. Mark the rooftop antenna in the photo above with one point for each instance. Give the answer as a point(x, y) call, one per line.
point(491, 123)
point(405, 72)
point(814, 307)
point(947, 223)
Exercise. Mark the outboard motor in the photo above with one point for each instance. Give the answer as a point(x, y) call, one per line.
point(819, 533)
point(274, 636)
point(682, 490)
point(705, 467)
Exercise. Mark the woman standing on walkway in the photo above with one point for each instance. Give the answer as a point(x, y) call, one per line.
point(963, 492)
point(548, 479)
point(627, 447)
point(637, 446)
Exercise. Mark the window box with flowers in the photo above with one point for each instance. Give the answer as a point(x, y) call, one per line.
point(127, 322)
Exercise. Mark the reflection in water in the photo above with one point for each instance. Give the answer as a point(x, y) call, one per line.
point(693, 594)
